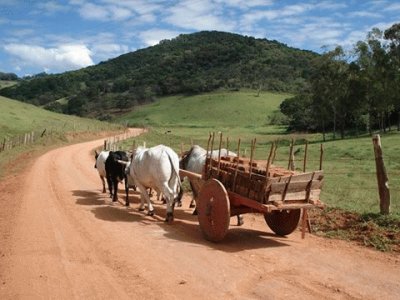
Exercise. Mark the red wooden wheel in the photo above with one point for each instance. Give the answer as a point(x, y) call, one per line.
point(283, 222)
point(213, 210)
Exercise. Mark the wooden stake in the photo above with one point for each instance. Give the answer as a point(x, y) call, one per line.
point(210, 159)
point(208, 149)
point(321, 156)
point(237, 167)
point(273, 156)
point(305, 157)
point(253, 147)
point(271, 151)
point(381, 175)
point(219, 152)
point(290, 164)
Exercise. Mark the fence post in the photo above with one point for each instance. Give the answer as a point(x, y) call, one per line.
point(381, 175)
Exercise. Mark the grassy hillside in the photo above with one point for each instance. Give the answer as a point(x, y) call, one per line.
point(7, 83)
point(18, 118)
point(348, 164)
point(237, 114)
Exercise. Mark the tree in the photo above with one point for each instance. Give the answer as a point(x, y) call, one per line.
point(374, 65)
point(393, 35)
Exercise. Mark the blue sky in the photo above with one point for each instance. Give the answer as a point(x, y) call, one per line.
point(56, 36)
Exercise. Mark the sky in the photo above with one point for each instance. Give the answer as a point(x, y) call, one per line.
point(58, 36)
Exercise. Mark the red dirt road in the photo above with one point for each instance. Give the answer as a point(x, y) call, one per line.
point(61, 238)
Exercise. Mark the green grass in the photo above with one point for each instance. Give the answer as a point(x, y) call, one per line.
point(218, 109)
point(19, 118)
point(349, 165)
point(7, 83)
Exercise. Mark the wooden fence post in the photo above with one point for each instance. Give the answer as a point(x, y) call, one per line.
point(321, 156)
point(381, 175)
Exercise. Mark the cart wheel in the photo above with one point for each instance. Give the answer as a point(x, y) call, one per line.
point(283, 222)
point(213, 210)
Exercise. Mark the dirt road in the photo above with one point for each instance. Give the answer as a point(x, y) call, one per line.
point(61, 238)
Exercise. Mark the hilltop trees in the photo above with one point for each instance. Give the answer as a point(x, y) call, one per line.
point(353, 94)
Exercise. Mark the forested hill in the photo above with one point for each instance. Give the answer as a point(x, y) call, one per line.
point(189, 63)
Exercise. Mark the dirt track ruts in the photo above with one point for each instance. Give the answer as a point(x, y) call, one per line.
point(61, 238)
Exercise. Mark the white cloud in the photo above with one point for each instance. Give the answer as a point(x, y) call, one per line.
point(243, 4)
point(52, 7)
point(92, 11)
point(154, 36)
point(61, 58)
point(199, 15)
point(391, 7)
point(366, 14)
point(108, 50)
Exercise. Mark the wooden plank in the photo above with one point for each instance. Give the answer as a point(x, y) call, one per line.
point(314, 195)
point(319, 175)
point(294, 187)
point(184, 173)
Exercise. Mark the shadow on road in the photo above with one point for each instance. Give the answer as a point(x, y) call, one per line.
point(185, 227)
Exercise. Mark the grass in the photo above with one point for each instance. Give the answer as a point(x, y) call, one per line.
point(7, 83)
point(19, 118)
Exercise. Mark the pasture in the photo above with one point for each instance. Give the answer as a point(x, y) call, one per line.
point(18, 118)
point(349, 165)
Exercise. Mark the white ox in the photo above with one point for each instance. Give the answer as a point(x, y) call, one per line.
point(194, 161)
point(157, 168)
point(100, 165)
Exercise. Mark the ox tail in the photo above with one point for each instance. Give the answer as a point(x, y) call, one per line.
point(180, 192)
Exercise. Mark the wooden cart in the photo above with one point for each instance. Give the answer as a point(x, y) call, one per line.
point(230, 186)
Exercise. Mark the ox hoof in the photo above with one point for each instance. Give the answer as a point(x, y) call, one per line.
point(141, 209)
point(127, 204)
point(169, 218)
point(194, 212)
point(240, 221)
point(192, 205)
point(150, 213)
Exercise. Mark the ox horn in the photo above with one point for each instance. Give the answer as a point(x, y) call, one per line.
point(122, 162)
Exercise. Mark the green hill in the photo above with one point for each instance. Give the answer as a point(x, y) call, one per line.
point(19, 118)
point(188, 64)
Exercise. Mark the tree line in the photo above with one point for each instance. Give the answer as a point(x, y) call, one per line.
point(351, 91)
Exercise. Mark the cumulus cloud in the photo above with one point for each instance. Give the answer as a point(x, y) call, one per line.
point(199, 15)
point(93, 11)
point(61, 58)
point(108, 50)
point(154, 36)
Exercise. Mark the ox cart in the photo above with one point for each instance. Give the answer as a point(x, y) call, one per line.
point(231, 186)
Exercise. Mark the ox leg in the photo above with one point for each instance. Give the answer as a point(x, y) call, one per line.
point(104, 183)
point(144, 195)
point(126, 192)
point(193, 202)
point(110, 186)
point(115, 187)
point(169, 194)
